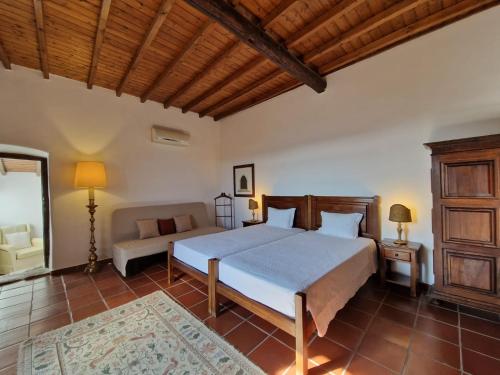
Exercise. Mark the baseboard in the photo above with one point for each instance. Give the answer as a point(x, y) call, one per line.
point(80, 267)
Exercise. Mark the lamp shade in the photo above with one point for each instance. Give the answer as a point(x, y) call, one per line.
point(253, 204)
point(400, 214)
point(90, 174)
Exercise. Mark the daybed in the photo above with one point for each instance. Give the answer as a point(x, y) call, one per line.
point(128, 248)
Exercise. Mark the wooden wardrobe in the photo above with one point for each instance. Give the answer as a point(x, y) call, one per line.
point(466, 221)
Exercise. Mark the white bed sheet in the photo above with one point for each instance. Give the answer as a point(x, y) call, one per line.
point(329, 269)
point(197, 251)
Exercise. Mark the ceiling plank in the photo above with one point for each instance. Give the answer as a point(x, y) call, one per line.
point(4, 57)
point(370, 24)
point(42, 41)
point(150, 35)
point(331, 15)
point(278, 11)
point(211, 66)
point(256, 37)
point(99, 39)
point(281, 89)
point(258, 61)
point(170, 68)
point(440, 18)
point(268, 77)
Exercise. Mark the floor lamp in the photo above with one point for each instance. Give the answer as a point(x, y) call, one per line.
point(91, 175)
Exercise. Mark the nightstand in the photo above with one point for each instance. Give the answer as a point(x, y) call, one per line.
point(407, 253)
point(249, 223)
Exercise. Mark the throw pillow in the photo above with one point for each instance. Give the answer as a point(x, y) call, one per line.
point(147, 228)
point(183, 223)
point(166, 226)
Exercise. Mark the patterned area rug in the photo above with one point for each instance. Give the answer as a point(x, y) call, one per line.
point(151, 335)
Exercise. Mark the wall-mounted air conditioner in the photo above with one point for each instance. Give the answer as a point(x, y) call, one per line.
point(169, 136)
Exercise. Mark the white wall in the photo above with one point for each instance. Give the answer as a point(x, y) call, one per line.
point(21, 201)
point(71, 123)
point(365, 134)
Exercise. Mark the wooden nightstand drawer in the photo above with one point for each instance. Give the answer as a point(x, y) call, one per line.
point(396, 254)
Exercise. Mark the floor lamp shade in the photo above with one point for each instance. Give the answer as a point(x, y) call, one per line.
point(90, 174)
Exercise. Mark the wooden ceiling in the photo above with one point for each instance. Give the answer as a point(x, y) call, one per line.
point(19, 165)
point(213, 57)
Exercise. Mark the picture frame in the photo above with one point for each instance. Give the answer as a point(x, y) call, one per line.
point(244, 180)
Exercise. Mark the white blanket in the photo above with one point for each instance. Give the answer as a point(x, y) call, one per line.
point(197, 251)
point(329, 269)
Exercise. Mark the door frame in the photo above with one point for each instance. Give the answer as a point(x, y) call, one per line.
point(44, 177)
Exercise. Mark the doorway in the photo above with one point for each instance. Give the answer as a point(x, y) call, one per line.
point(24, 216)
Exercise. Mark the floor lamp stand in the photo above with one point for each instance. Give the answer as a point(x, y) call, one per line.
point(92, 265)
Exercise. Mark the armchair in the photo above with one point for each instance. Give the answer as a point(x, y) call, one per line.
point(12, 259)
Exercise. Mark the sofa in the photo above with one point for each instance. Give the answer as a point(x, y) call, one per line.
point(12, 259)
point(127, 247)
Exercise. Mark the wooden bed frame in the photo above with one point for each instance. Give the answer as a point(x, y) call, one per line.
point(302, 327)
point(308, 216)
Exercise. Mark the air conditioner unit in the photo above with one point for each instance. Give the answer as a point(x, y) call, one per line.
point(169, 136)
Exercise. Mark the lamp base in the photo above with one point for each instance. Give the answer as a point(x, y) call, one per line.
point(400, 242)
point(91, 268)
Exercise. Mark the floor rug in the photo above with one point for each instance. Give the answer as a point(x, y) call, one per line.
point(151, 335)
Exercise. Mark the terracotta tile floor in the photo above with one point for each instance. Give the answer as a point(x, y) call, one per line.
point(380, 331)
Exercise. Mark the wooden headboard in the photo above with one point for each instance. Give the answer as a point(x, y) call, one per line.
point(368, 206)
point(301, 219)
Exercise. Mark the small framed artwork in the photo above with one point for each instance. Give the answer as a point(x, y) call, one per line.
point(244, 180)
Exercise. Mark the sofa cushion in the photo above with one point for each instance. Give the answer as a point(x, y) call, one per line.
point(147, 228)
point(29, 252)
point(19, 240)
point(166, 226)
point(183, 223)
point(123, 251)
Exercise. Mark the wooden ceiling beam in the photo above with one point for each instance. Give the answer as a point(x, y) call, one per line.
point(172, 65)
point(4, 57)
point(440, 18)
point(99, 39)
point(256, 37)
point(209, 68)
point(281, 89)
point(258, 61)
point(42, 41)
point(277, 12)
point(268, 77)
point(370, 24)
point(330, 16)
point(154, 28)
point(336, 12)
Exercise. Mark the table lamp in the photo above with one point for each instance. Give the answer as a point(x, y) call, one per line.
point(253, 205)
point(400, 214)
point(91, 175)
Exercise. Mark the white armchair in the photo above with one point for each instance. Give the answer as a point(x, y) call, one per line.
point(12, 259)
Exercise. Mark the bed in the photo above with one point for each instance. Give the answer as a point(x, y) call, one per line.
point(191, 256)
point(289, 282)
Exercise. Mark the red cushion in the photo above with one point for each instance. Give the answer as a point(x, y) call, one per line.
point(166, 226)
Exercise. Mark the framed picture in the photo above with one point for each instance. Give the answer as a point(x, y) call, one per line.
point(244, 180)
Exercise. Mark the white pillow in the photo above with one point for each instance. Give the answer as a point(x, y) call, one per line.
point(280, 218)
point(18, 240)
point(340, 225)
